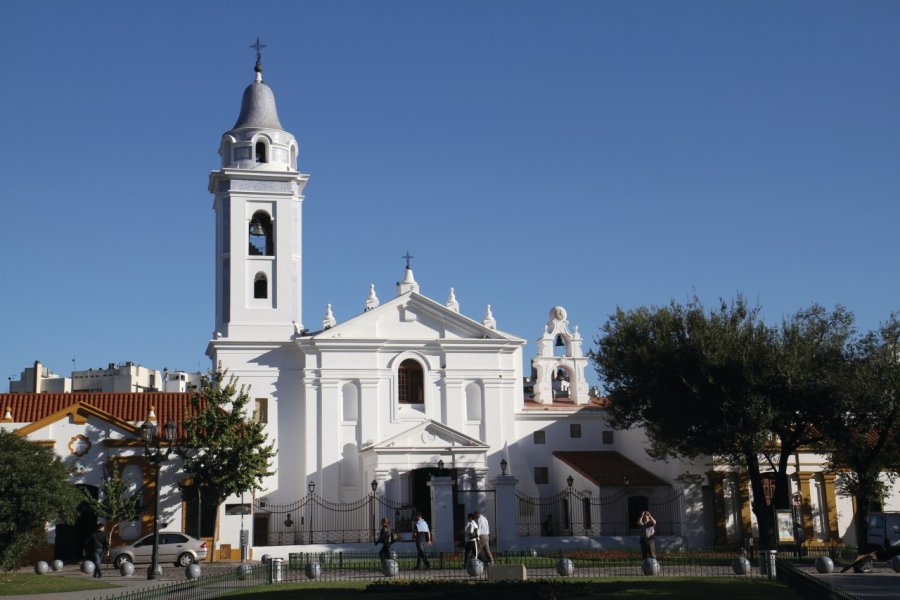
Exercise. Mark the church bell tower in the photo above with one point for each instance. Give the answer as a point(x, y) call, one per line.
point(258, 200)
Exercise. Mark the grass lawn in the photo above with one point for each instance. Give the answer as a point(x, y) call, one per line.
point(629, 588)
point(12, 584)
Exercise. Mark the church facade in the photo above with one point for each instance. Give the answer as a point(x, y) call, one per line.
point(409, 403)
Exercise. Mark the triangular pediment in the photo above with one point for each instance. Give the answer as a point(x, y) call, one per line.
point(81, 412)
point(429, 436)
point(413, 317)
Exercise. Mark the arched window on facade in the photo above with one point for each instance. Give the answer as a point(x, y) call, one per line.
point(261, 152)
point(411, 382)
point(349, 402)
point(261, 242)
point(473, 402)
point(260, 286)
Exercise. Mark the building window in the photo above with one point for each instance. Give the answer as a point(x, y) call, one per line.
point(260, 286)
point(411, 382)
point(540, 437)
point(261, 240)
point(349, 403)
point(261, 410)
point(541, 475)
point(607, 437)
point(575, 430)
point(473, 402)
point(261, 152)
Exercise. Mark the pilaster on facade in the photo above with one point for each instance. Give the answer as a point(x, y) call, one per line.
point(830, 507)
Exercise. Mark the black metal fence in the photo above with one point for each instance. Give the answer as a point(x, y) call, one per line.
point(570, 512)
point(314, 520)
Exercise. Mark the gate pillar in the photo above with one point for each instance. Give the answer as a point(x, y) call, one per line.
point(506, 511)
point(441, 513)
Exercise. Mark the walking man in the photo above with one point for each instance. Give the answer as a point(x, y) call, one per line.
point(470, 534)
point(484, 538)
point(98, 546)
point(423, 538)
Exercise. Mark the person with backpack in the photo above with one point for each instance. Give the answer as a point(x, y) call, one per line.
point(386, 538)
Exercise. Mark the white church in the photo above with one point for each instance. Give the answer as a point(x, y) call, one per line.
point(408, 406)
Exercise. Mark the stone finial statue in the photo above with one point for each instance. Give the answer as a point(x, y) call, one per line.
point(329, 320)
point(452, 303)
point(372, 300)
point(489, 321)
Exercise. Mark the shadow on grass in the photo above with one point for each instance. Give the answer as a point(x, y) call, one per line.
point(12, 584)
point(632, 589)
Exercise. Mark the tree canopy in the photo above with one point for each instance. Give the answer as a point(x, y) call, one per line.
point(864, 433)
point(224, 452)
point(722, 383)
point(34, 491)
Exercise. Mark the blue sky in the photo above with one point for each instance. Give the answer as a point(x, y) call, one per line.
point(588, 154)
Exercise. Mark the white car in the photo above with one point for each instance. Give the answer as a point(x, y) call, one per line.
point(178, 548)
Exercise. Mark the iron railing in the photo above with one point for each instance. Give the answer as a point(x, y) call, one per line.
point(571, 512)
point(445, 566)
point(314, 520)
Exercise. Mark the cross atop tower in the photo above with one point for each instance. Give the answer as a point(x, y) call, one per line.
point(259, 46)
point(407, 257)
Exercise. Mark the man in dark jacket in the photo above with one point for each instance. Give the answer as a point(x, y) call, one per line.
point(97, 546)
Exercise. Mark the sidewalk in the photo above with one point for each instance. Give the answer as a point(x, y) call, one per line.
point(137, 581)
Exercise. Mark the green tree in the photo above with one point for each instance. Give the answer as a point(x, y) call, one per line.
point(864, 434)
point(116, 504)
point(34, 491)
point(224, 451)
point(721, 383)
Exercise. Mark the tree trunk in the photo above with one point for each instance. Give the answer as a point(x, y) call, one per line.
point(765, 514)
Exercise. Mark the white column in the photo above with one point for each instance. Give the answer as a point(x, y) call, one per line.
point(441, 513)
point(505, 520)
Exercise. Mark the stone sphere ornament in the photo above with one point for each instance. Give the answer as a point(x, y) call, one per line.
point(126, 569)
point(475, 568)
point(895, 564)
point(390, 568)
point(87, 567)
point(824, 564)
point(57, 565)
point(244, 571)
point(565, 567)
point(741, 565)
point(265, 558)
point(650, 566)
point(192, 571)
point(313, 570)
point(41, 567)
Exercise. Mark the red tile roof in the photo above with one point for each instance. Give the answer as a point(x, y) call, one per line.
point(607, 468)
point(129, 406)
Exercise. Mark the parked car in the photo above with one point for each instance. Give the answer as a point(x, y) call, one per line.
point(178, 548)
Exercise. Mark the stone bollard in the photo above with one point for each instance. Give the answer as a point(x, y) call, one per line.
point(41, 567)
point(390, 568)
point(650, 566)
point(192, 571)
point(741, 565)
point(475, 568)
point(87, 567)
point(243, 571)
point(565, 567)
point(313, 570)
point(824, 564)
point(57, 565)
point(126, 569)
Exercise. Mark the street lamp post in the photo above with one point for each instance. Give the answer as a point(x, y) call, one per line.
point(156, 456)
point(569, 510)
point(374, 486)
point(312, 490)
